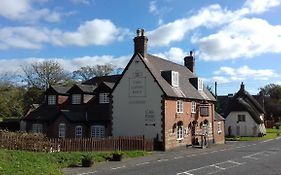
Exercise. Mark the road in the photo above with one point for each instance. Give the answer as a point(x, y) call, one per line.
point(250, 158)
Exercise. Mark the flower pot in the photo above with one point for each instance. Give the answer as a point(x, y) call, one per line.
point(117, 157)
point(87, 162)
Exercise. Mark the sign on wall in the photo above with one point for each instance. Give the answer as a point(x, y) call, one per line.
point(149, 117)
point(137, 87)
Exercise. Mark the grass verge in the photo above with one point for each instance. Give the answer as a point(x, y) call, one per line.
point(29, 163)
point(270, 134)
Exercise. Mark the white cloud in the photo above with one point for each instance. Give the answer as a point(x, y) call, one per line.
point(80, 2)
point(23, 11)
point(209, 17)
point(95, 32)
point(14, 65)
point(228, 74)
point(152, 7)
point(174, 54)
point(241, 38)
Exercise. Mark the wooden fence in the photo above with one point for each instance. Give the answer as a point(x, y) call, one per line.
point(32, 142)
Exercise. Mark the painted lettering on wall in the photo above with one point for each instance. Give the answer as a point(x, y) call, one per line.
point(149, 117)
point(137, 87)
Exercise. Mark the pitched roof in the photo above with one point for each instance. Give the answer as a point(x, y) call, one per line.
point(43, 113)
point(61, 89)
point(243, 101)
point(185, 89)
point(87, 88)
point(98, 80)
point(218, 117)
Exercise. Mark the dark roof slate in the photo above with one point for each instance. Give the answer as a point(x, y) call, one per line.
point(98, 80)
point(61, 89)
point(185, 89)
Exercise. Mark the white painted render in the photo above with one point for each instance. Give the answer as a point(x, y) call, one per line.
point(247, 128)
point(137, 103)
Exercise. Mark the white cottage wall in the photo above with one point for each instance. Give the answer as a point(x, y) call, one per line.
point(137, 101)
point(247, 128)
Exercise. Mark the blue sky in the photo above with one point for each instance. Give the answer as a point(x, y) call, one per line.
point(234, 41)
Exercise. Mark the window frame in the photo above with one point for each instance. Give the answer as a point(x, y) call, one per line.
point(241, 118)
point(219, 127)
point(104, 98)
point(175, 79)
point(179, 106)
point(61, 130)
point(100, 133)
point(76, 99)
point(52, 99)
point(193, 107)
point(37, 128)
point(78, 131)
point(180, 132)
point(200, 84)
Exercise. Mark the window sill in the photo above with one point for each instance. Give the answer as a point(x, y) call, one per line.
point(180, 139)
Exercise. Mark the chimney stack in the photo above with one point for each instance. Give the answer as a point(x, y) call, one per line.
point(141, 43)
point(189, 62)
point(242, 87)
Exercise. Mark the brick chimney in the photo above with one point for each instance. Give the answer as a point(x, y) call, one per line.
point(141, 43)
point(189, 62)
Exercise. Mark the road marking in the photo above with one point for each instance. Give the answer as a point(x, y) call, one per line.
point(143, 163)
point(216, 166)
point(185, 173)
point(213, 151)
point(162, 160)
point(88, 173)
point(267, 140)
point(237, 163)
point(178, 157)
point(119, 167)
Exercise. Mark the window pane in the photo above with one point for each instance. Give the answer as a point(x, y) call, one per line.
point(78, 132)
point(51, 99)
point(193, 107)
point(61, 130)
point(103, 98)
point(76, 99)
point(97, 131)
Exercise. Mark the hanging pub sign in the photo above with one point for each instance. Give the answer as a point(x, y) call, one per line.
point(204, 110)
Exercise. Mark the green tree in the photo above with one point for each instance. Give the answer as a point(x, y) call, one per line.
point(272, 100)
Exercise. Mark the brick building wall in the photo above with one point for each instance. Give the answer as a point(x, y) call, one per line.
point(219, 136)
point(172, 119)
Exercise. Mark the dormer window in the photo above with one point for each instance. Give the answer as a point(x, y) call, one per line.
point(76, 99)
point(175, 79)
point(103, 98)
point(52, 99)
point(200, 84)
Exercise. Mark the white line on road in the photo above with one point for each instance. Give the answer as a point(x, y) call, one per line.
point(218, 167)
point(178, 157)
point(87, 173)
point(119, 167)
point(162, 160)
point(143, 163)
point(267, 140)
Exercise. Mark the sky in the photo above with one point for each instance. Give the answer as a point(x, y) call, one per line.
point(234, 41)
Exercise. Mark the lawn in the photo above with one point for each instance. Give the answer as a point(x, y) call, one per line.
point(270, 134)
point(25, 162)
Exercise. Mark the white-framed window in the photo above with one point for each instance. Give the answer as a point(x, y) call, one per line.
point(241, 118)
point(179, 106)
point(175, 79)
point(97, 131)
point(180, 132)
point(78, 131)
point(52, 99)
point(37, 128)
point(200, 84)
point(193, 107)
point(103, 98)
point(219, 127)
point(62, 130)
point(76, 98)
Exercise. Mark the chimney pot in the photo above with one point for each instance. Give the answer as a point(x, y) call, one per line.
point(141, 43)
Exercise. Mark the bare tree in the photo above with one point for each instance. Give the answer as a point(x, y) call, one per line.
point(43, 74)
point(88, 72)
